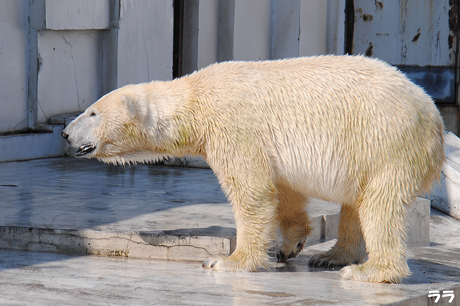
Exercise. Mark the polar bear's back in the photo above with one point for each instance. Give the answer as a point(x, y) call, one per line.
point(327, 121)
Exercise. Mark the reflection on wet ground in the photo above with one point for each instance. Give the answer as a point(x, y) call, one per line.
point(87, 193)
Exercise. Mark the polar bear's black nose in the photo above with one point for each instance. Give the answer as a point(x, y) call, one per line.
point(65, 135)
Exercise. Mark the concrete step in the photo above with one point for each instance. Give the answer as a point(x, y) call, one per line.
point(46, 141)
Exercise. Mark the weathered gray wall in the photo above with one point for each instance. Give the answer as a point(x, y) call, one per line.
point(260, 29)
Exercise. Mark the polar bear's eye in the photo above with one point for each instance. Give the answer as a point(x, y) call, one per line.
point(92, 114)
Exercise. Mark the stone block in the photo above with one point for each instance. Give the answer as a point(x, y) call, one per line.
point(331, 227)
point(317, 232)
point(445, 196)
point(418, 233)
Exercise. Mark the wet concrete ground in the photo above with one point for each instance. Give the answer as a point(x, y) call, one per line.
point(78, 195)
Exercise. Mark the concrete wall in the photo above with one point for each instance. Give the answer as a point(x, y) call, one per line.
point(69, 77)
point(252, 30)
point(411, 32)
point(62, 55)
point(14, 64)
point(59, 56)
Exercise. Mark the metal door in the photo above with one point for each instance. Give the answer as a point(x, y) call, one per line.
point(418, 36)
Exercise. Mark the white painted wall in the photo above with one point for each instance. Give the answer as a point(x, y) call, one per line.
point(335, 42)
point(286, 28)
point(69, 77)
point(208, 32)
point(77, 14)
point(13, 64)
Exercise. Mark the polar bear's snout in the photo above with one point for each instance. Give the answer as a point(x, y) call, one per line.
point(79, 134)
point(82, 149)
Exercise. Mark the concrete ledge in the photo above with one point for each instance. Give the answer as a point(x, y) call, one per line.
point(134, 245)
point(182, 244)
point(32, 145)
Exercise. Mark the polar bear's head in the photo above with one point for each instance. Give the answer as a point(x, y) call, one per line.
point(129, 124)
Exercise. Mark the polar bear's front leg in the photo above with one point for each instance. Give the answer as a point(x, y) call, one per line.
point(254, 203)
point(382, 212)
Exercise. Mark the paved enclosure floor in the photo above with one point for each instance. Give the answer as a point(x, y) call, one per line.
point(75, 194)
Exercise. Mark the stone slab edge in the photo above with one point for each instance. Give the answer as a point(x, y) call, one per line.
point(134, 245)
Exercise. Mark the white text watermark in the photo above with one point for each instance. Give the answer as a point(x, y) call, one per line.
point(442, 294)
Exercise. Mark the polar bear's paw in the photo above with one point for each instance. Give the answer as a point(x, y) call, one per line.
point(331, 260)
point(230, 264)
point(372, 273)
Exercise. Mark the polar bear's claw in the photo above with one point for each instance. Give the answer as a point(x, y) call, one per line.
point(327, 261)
point(224, 264)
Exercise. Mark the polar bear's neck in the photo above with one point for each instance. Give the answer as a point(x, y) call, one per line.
point(174, 112)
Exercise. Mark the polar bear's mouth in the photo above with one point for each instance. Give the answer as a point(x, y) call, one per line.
point(85, 149)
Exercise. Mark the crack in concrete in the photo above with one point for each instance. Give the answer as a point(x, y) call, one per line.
point(88, 240)
point(41, 108)
point(74, 68)
point(144, 41)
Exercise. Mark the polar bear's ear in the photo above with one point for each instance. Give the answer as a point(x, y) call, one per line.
point(135, 108)
point(128, 104)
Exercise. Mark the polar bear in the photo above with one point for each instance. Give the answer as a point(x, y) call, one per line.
point(347, 129)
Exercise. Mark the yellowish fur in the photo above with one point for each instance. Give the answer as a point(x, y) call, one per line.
point(347, 129)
